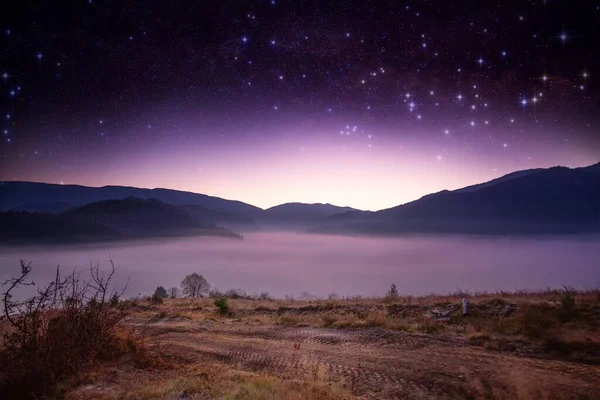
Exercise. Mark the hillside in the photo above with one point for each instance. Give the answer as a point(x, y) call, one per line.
point(105, 220)
point(301, 212)
point(555, 200)
point(44, 197)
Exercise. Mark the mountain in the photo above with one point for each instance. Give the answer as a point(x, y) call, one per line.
point(105, 220)
point(592, 168)
point(45, 197)
point(508, 177)
point(298, 216)
point(231, 220)
point(304, 211)
point(51, 198)
point(25, 227)
point(555, 200)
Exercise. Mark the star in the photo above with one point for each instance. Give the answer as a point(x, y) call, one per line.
point(244, 39)
point(472, 123)
point(446, 132)
point(5, 76)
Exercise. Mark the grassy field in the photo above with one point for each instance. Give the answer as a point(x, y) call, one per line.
point(509, 345)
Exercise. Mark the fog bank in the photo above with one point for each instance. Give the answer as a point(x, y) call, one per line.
point(288, 263)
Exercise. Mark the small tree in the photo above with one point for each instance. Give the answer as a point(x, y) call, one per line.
point(174, 292)
point(161, 292)
point(393, 292)
point(194, 285)
point(223, 305)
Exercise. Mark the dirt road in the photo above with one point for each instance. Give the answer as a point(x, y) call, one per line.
point(377, 363)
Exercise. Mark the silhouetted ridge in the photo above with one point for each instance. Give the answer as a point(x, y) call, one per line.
point(554, 200)
point(105, 220)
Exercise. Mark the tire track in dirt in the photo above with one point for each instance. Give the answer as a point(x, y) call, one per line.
point(379, 363)
point(304, 365)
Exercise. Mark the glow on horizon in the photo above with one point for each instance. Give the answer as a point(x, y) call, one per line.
point(302, 170)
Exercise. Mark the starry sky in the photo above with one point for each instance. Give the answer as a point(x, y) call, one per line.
point(368, 104)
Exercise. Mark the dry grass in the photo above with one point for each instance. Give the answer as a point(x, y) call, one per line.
point(550, 319)
point(497, 322)
point(194, 382)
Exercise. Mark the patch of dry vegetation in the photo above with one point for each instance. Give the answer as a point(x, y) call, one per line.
point(63, 332)
point(559, 323)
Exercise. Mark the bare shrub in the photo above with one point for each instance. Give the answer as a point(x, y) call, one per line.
point(194, 285)
point(59, 332)
point(174, 292)
point(264, 296)
point(392, 294)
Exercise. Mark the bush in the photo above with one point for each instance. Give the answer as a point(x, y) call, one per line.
point(161, 292)
point(328, 320)
point(156, 299)
point(567, 300)
point(223, 305)
point(392, 294)
point(535, 322)
point(58, 333)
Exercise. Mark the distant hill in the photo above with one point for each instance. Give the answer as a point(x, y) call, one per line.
point(297, 216)
point(555, 200)
point(44, 197)
point(105, 220)
point(231, 220)
point(592, 168)
point(303, 211)
point(512, 175)
point(535, 201)
point(51, 198)
point(24, 227)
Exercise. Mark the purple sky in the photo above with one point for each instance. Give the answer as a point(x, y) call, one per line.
point(358, 104)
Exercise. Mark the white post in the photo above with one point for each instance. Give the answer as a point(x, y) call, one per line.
point(464, 306)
